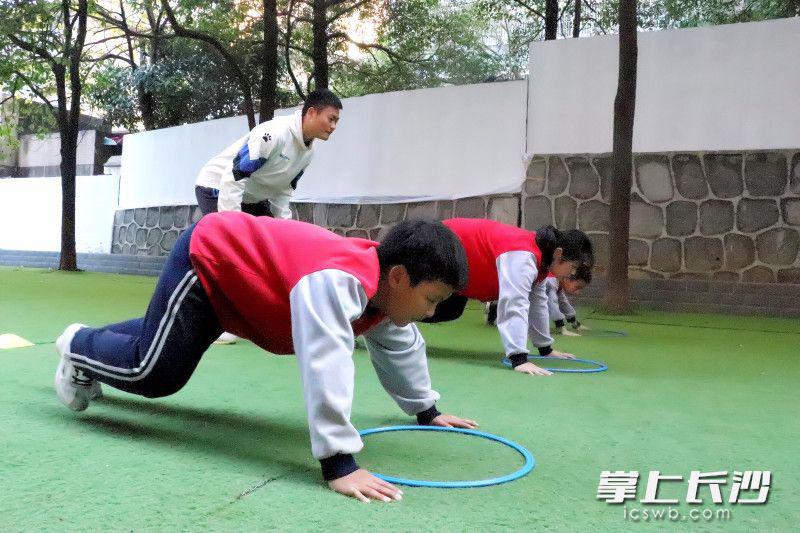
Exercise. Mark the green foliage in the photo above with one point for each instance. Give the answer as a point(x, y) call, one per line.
point(39, 23)
point(429, 43)
point(433, 43)
point(187, 83)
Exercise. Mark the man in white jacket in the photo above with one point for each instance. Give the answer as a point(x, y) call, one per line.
point(258, 173)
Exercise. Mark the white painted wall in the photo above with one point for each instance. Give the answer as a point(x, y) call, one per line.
point(159, 167)
point(449, 142)
point(730, 87)
point(429, 144)
point(36, 152)
point(31, 214)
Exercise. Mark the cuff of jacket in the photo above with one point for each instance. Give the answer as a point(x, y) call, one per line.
point(337, 466)
point(426, 417)
point(517, 359)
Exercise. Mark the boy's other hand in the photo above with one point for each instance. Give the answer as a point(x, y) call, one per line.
point(365, 487)
point(533, 370)
point(561, 355)
point(450, 421)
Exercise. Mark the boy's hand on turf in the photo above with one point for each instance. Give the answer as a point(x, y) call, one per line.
point(365, 487)
point(561, 355)
point(450, 421)
point(533, 370)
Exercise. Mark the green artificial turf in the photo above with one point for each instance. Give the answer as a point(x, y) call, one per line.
point(230, 451)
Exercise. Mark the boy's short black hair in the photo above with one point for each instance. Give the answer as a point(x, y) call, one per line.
point(428, 250)
point(320, 99)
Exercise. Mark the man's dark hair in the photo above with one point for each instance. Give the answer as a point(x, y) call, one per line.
point(320, 99)
point(428, 250)
point(575, 244)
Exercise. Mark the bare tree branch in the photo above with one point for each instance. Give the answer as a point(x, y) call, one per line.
point(564, 9)
point(28, 47)
point(374, 46)
point(35, 90)
point(13, 92)
point(287, 47)
point(345, 11)
point(529, 8)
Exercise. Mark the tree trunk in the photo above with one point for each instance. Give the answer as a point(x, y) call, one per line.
point(269, 70)
point(69, 115)
point(550, 20)
point(319, 50)
point(576, 21)
point(68, 258)
point(244, 85)
point(146, 106)
point(69, 144)
point(617, 296)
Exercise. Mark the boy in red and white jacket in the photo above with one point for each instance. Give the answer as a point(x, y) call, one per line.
point(290, 287)
point(509, 264)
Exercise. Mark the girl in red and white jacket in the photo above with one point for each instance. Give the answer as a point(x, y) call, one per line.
point(509, 264)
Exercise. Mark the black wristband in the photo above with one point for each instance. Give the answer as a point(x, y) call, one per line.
point(545, 350)
point(425, 417)
point(337, 466)
point(571, 319)
point(517, 359)
point(560, 323)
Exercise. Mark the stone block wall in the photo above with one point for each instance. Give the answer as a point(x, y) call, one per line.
point(731, 216)
point(706, 216)
point(151, 230)
point(154, 230)
point(373, 220)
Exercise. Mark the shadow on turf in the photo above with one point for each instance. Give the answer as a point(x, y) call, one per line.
point(256, 440)
point(472, 357)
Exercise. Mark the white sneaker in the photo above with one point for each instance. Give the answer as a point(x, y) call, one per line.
point(226, 338)
point(74, 388)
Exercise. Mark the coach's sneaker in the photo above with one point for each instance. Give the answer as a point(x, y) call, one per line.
point(73, 387)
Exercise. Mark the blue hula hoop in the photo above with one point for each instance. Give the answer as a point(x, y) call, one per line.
point(599, 367)
point(530, 462)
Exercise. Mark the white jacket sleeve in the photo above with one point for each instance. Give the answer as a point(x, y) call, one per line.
point(258, 147)
point(279, 206)
point(400, 360)
point(553, 298)
point(538, 323)
point(516, 272)
point(565, 306)
point(230, 193)
point(323, 305)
